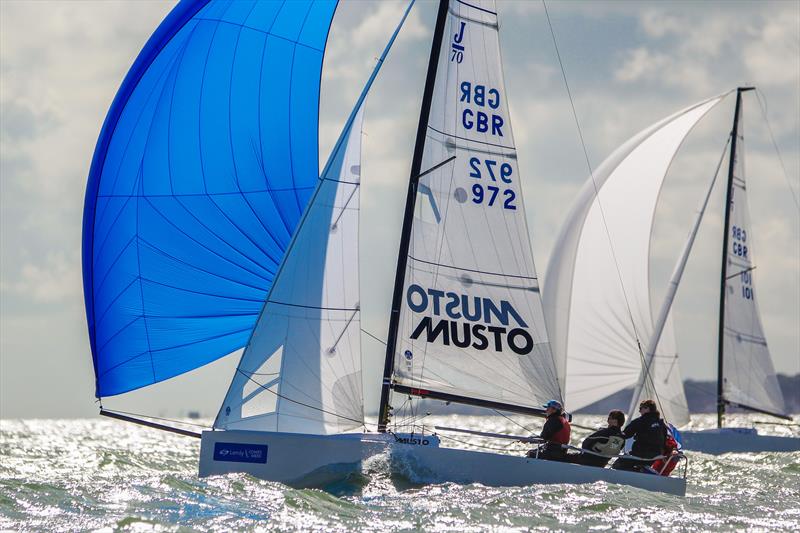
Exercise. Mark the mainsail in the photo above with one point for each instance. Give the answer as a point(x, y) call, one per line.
point(748, 376)
point(469, 321)
point(604, 247)
point(204, 165)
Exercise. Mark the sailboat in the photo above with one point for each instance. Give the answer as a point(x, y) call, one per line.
point(616, 328)
point(466, 323)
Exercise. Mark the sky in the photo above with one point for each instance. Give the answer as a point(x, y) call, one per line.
point(628, 65)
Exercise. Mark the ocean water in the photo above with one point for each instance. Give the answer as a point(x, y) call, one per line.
point(98, 474)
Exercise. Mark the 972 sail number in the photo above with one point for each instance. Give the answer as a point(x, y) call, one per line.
point(489, 193)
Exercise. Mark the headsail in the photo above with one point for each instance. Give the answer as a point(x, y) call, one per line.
point(204, 165)
point(594, 337)
point(301, 371)
point(470, 321)
point(748, 375)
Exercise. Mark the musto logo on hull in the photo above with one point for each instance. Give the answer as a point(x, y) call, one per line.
point(468, 321)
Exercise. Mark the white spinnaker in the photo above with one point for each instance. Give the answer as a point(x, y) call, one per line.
point(471, 322)
point(301, 371)
point(648, 383)
point(593, 335)
point(748, 375)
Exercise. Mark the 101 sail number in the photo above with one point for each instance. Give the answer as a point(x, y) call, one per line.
point(488, 194)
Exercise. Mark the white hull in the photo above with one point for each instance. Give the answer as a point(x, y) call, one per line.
point(314, 461)
point(736, 440)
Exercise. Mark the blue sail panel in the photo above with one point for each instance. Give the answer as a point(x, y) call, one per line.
point(203, 167)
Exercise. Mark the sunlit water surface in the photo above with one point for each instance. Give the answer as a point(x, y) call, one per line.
point(67, 475)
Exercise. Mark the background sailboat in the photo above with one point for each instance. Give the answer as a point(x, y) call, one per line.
point(613, 328)
point(745, 374)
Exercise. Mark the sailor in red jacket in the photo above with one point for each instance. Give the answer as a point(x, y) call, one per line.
point(556, 431)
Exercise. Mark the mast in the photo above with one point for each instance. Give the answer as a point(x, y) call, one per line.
point(405, 234)
point(724, 270)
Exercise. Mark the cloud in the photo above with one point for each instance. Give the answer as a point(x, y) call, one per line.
point(692, 50)
point(53, 279)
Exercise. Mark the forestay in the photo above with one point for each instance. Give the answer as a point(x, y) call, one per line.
point(596, 326)
point(301, 371)
point(471, 322)
point(748, 375)
point(203, 167)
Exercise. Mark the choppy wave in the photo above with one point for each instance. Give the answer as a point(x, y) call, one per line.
point(68, 475)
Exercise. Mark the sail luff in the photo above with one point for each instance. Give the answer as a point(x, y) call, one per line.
point(405, 234)
point(724, 267)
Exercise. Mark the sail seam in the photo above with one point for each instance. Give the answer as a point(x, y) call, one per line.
point(263, 32)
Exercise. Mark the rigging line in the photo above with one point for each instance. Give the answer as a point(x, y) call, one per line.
point(156, 418)
point(740, 272)
point(443, 163)
point(373, 336)
point(591, 174)
point(279, 395)
point(763, 106)
point(476, 445)
point(511, 420)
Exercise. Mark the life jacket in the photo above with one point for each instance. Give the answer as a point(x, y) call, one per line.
point(611, 447)
point(562, 436)
point(670, 450)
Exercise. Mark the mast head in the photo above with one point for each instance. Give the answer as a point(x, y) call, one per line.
point(745, 89)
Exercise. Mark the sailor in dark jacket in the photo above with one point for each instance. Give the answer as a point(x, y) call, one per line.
point(607, 442)
point(649, 434)
point(555, 432)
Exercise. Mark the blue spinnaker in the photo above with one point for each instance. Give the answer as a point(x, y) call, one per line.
point(203, 167)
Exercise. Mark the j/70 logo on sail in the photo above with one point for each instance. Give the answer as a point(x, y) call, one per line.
point(489, 324)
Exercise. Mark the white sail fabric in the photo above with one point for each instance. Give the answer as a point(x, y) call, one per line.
point(471, 322)
point(593, 335)
point(748, 375)
point(648, 382)
point(301, 371)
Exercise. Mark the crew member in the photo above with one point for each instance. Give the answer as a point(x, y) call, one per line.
point(555, 433)
point(607, 442)
point(649, 434)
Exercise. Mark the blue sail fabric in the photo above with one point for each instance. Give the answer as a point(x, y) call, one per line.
point(203, 167)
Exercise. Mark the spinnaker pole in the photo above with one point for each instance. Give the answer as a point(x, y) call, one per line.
point(724, 270)
point(405, 234)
